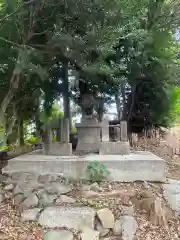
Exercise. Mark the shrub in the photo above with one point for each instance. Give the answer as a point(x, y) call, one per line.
point(33, 140)
point(54, 139)
point(97, 171)
point(74, 130)
point(4, 148)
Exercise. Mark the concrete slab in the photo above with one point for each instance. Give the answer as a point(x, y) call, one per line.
point(137, 166)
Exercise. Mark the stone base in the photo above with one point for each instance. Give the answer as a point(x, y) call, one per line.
point(88, 147)
point(114, 148)
point(89, 132)
point(59, 149)
point(137, 166)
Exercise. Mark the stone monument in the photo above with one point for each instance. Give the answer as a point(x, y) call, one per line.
point(60, 147)
point(89, 130)
point(105, 130)
point(123, 165)
point(121, 146)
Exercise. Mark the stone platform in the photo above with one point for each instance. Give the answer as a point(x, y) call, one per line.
point(137, 166)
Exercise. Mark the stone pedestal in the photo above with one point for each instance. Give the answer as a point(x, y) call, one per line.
point(59, 149)
point(89, 139)
point(114, 148)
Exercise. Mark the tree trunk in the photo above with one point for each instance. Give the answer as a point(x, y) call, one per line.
point(100, 110)
point(38, 123)
point(124, 104)
point(14, 83)
point(66, 94)
point(118, 105)
point(21, 132)
point(47, 138)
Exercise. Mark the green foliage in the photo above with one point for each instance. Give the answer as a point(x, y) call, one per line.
point(4, 148)
point(33, 140)
point(97, 171)
point(174, 114)
point(108, 44)
point(54, 139)
point(74, 130)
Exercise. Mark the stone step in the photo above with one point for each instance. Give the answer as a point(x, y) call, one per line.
point(137, 166)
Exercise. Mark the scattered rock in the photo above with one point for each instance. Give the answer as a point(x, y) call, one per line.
point(65, 199)
point(171, 194)
point(157, 214)
point(58, 235)
point(9, 187)
point(85, 187)
point(17, 190)
point(173, 188)
point(116, 193)
point(18, 199)
point(57, 188)
point(70, 217)
point(3, 236)
point(18, 176)
point(127, 210)
point(1, 190)
point(30, 201)
point(173, 201)
point(89, 234)
point(46, 198)
point(106, 217)
point(21, 177)
point(9, 181)
point(145, 204)
point(8, 195)
point(147, 194)
point(1, 198)
point(44, 178)
point(117, 229)
point(95, 187)
point(146, 185)
point(40, 191)
point(32, 177)
point(172, 181)
point(102, 231)
point(3, 178)
point(129, 227)
point(48, 178)
point(30, 215)
point(29, 186)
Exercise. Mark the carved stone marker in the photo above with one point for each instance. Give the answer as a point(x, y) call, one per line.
point(89, 129)
point(105, 130)
point(123, 127)
point(61, 147)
